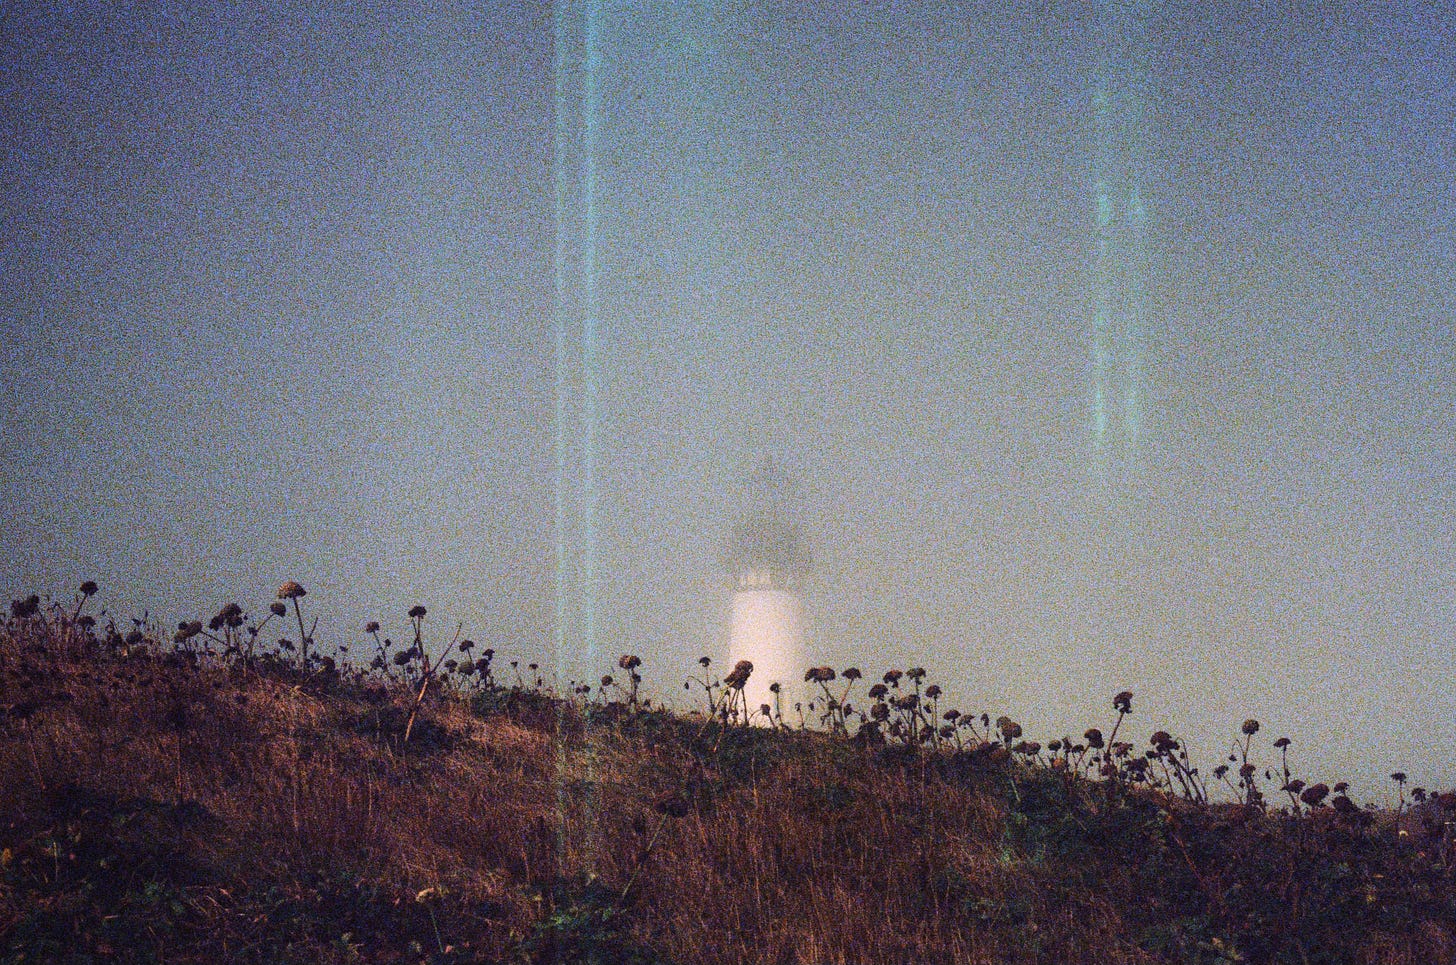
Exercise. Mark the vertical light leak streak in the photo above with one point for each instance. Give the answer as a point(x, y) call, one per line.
point(578, 66)
point(589, 112)
point(560, 141)
point(577, 83)
point(1119, 289)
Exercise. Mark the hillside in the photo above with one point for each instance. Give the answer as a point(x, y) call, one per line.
point(201, 796)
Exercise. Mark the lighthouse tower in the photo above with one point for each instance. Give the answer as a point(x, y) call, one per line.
point(769, 564)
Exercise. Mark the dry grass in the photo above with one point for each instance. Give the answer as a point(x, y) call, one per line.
point(164, 805)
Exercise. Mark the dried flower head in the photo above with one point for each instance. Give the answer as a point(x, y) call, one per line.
point(1093, 737)
point(739, 675)
point(1314, 794)
point(1250, 728)
point(88, 588)
point(819, 675)
point(291, 591)
point(878, 691)
point(892, 677)
point(1282, 743)
point(1010, 729)
point(1122, 703)
point(416, 612)
point(916, 674)
point(629, 661)
point(851, 673)
point(933, 691)
point(704, 662)
point(277, 608)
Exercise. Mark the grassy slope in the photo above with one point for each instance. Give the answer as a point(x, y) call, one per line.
point(162, 807)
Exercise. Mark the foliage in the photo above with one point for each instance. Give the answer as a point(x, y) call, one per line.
point(204, 795)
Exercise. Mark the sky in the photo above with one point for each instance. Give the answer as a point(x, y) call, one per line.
point(284, 284)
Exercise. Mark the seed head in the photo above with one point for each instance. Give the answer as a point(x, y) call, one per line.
point(629, 661)
point(933, 691)
point(1314, 794)
point(1122, 703)
point(1250, 728)
point(291, 591)
point(1093, 737)
point(277, 608)
point(1009, 728)
point(416, 612)
point(739, 675)
point(88, 588)
point(851, 673)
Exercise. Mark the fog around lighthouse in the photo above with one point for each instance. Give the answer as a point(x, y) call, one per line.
point(1110, 346)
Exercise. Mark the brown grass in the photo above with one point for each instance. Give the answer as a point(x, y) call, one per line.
point(160, 806)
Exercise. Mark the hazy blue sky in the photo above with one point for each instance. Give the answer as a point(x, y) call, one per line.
point(279, 303)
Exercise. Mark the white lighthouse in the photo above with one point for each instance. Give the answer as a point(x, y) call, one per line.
point(769, 564)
